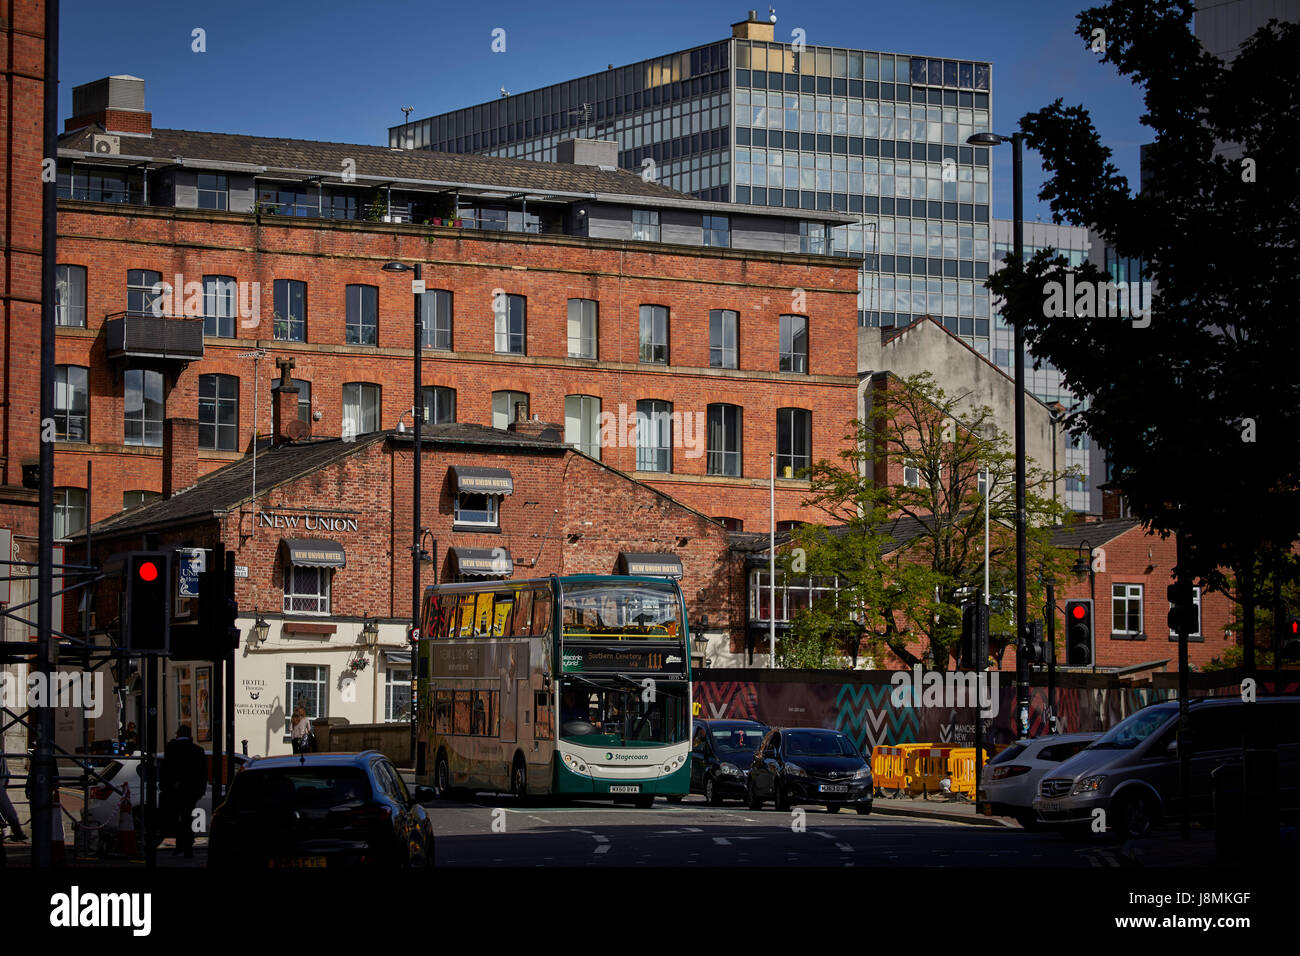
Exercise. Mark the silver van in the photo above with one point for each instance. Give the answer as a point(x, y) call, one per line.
point(1131, 771)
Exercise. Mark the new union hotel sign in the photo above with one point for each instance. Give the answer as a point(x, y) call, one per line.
point(306, 522)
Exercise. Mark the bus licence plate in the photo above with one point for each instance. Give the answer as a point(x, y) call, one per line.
point(833, 788)
point(298, 861)
point(626, 788)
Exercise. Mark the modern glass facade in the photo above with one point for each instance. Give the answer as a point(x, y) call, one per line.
point(1046, 382)
point(876, 135)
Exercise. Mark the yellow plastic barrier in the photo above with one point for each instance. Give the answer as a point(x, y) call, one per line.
point(925, 765)
point(887, 769)
point(962, 764)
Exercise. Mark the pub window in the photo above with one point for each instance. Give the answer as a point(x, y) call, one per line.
point(306, 590)
point(305, 686)
point(477, 509)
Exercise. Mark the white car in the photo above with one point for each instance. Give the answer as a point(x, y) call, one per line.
point(107, 789)
point(1009, 782)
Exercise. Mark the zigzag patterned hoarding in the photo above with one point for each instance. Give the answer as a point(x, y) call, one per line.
point(862, 709)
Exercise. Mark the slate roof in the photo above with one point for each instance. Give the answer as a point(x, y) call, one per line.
point(900, 530)
point(232, 485)
point(1096, 533)
point(381, 162)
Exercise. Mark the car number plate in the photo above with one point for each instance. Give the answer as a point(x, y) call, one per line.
point(833, 788)
point(625, 788)
point(298, 861)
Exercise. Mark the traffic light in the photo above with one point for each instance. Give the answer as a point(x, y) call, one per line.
point(975, 635)
point(146, 605)
point(1291, 640)
point(1078, 633)
point(217, 608)
point(969, 640)
point(1035, 644)
point(1182, 608)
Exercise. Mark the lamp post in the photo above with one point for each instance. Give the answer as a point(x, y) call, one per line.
point(1084, 565)
point(1022, 582)
point(417, 291)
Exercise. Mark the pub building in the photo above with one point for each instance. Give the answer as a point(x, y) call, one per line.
point(322, 555)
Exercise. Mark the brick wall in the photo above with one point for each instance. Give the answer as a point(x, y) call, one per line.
point(547, 270)
point(22, 90)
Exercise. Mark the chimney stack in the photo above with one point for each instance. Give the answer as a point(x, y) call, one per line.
point(524, 425)
point(115, 103)
point(286, 426)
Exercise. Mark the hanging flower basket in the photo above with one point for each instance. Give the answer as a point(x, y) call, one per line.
point(358, 664)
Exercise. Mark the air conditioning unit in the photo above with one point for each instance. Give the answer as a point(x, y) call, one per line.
point(111, 145)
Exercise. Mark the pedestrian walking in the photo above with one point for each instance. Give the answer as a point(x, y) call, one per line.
point(8, 815)
point(184, 779)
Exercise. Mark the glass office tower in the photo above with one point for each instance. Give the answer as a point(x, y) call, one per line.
point(754, 121)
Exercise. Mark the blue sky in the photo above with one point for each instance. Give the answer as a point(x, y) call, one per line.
point(341, 71)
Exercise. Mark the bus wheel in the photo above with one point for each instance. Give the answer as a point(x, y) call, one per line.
point(519, 779)
point(675, 798)
point(442, 777)
point(644, 803)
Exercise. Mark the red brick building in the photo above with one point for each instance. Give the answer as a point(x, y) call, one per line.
point(582, 292)
point(347, 506)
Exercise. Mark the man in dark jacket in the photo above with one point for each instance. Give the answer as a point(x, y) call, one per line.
point(184, 780)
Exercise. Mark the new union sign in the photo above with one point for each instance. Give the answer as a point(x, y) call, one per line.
point(306, 522)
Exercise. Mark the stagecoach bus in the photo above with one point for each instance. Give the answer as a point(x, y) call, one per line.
point(576, 685)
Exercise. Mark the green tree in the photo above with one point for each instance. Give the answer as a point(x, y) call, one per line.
point(1197, 404)
point(909, 553)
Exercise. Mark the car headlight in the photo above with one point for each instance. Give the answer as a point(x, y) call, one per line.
point(730, 769)
point(1088, 784)
point(794, 770)
point(575, 764)
point(863, 774)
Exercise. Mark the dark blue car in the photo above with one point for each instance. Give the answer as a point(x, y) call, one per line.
point(721, 752)
point(315, 810)
point(798, 765)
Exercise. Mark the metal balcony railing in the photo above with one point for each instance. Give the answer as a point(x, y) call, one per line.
point(132, 335)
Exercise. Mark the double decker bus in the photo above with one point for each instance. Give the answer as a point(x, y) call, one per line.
point(573, 686)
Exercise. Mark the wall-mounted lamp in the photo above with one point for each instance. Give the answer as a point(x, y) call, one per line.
point(370, 632)
point(261, 630)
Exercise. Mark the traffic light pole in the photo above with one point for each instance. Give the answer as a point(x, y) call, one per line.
point(1022, 579)
point(1051, 656)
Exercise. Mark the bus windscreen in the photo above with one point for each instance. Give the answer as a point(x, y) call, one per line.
point(621, 611)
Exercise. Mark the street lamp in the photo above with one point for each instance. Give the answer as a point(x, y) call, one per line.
point(1083, 565)
point(417, 414)
point(1022, 582)
point(261, 629)
point(369, 631)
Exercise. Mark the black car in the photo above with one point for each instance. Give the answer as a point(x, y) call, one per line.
point(721, 752)
point(809, 765)
point(311, 810)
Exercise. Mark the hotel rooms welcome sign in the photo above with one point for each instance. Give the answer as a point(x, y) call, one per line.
point(305, 522)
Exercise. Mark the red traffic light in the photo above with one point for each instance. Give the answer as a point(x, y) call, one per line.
point(148, 571)
point(1078, 612)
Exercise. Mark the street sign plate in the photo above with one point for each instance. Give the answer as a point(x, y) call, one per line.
point(417, 286)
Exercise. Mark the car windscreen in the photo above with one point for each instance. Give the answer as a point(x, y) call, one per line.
point(818, 745)
point(1131, 731)
point(737, 740)
point(1011, 753)
point(299, 788)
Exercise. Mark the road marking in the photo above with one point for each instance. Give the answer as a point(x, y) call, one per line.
point(722, 841)
point(844, 848)
point(600, 839)
point(603, 848)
